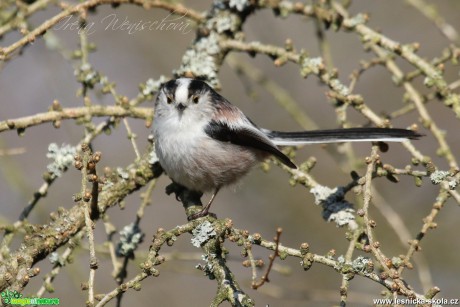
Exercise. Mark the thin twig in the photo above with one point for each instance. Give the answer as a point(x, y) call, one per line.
point(430, 12)
point(86, 198)
point(395, 221)
point(264, 278)
point(120, 273)
point(178, 9)
point(370, 224)
point(131, 137)
point(75, 113)
point(424, 114)
point(61, 262)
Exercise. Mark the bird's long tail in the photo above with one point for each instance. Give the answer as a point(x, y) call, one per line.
point(341, 135)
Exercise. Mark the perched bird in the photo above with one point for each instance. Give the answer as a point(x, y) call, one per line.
point(203, 142)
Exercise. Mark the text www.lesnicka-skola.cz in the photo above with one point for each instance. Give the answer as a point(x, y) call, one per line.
point(416, 301)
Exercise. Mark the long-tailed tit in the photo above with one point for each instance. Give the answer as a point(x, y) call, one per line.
point(203, 142)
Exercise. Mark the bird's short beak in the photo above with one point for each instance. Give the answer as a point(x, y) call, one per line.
point(181, 107)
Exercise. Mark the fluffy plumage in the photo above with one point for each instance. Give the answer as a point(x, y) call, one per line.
point(203, 142)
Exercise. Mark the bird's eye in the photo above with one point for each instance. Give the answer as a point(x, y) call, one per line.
point(195, 99)
point(168, 99)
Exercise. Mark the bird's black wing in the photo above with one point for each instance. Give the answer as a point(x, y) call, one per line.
point(247, 136)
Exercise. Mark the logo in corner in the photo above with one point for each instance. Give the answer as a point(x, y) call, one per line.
point(15, 298)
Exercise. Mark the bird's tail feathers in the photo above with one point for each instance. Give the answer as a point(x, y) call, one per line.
point(341, 135)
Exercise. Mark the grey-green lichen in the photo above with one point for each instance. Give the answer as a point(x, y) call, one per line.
point(122, 173)
point(239, 296)
point(362, 264)
point(397, 262)
point(239, 5)
point(208, 267)
point(335, 207)
point(152, 86)
point(357, 20)
point(54, 258)
point(439, 176)
point(87, 75)
point(435, 79)
point(202, 233)
point(285, 8)
point(341, 260)
point(225, 22)
point(310, 65)
point(130, 237)
point(62, 158)
point(200, 58)
point(339, 87)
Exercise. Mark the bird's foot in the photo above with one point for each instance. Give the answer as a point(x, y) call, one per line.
point(201, 213)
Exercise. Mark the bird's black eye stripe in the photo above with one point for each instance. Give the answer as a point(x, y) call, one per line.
point(196, 87)
point(169, 88)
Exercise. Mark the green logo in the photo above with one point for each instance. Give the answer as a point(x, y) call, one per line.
point(15, 298)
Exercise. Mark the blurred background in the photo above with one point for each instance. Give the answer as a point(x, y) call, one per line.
point(263, 201)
